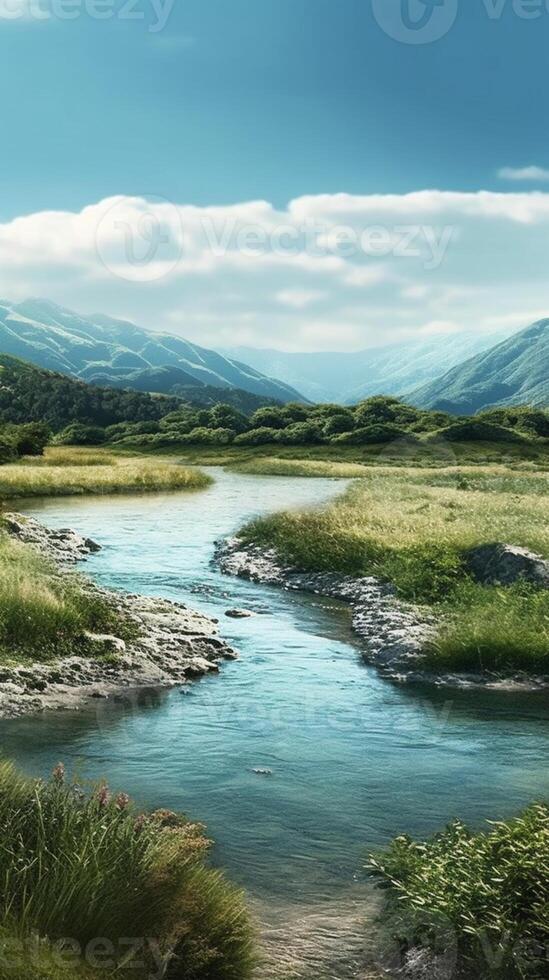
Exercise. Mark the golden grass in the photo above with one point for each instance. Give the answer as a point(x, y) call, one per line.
point(72, 472)
point(275, 466)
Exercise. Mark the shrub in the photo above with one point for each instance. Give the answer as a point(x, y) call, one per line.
point(88, 865)
point(31, 439)
point(373, 434)
point(258, 437)
point(488, 891)
point(474, 430)
point(533, 421)
point(270, 418)
point(301, 434)
point(78, 434)
point(8, 452)
point(339, 422)
point(208, 437)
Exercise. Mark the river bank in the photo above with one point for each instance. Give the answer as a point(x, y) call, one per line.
point(173, 644)
point(395, 634)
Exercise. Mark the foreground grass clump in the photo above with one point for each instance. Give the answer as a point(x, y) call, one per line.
point(44, 615)
point(480, 899)
point(496, 629)
point(69, 472)
point(77, 869)
point(413, 528)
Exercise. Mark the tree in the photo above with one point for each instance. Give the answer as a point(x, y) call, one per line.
point(270, 418)
point(31, 439)
point(227, 417)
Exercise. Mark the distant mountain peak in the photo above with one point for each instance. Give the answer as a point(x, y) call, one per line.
point(115, 351)
point(514, 372)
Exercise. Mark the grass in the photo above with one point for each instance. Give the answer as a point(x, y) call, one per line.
point(424, 454)
point(77, 867)
point(479, 898)
point(65, 472)
point(274, 466)
point(413, 528)
point(45, 615)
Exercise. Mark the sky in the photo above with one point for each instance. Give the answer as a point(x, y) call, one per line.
point(301, 174)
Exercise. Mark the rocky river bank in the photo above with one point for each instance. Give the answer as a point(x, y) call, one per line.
point(394, 633)
point(173, 644)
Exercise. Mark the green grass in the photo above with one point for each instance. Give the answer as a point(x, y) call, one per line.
point(413, 528)
point(45, 615)
point(66, 472)
point(484, 897)
point(81, 866)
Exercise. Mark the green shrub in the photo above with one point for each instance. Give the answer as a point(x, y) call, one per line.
point(473, 430)
point(487, 894)
point(381, 433)
point(258, 437)
point(301, 434)
point(31, 439)
point(78, 434)
point(87, 866)
point(8, 452)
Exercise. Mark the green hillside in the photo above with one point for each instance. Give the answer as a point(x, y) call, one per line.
point(31, 394)
point(515, 372)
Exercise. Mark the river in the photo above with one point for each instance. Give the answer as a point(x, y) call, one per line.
point(355, 760)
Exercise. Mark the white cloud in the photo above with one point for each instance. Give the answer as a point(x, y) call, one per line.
point(251, 274)
point(518, 174)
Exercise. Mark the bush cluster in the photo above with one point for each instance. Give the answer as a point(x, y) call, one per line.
point(377, 421)
point(23, 440)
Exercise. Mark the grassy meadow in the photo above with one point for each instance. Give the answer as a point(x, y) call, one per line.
point(82, 870)
point(66, 471)
point(413, 527)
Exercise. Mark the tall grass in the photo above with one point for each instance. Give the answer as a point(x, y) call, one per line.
point(274, 466)
point(481, 898)
point(79, 475)
point(44, 615)
point(86, 867)
point(413, 529)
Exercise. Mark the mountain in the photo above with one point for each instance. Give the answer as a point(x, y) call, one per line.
point(515, 372)
point(99, 348)
point(350, 377)
point(31, 394)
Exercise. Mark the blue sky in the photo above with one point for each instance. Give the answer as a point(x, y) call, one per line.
point(240, 99)
point(237, 101)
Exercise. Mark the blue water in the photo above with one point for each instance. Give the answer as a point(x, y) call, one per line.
point(355, 759)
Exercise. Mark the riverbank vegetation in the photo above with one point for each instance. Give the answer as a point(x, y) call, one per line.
point(476, 902)
point(414, 529)
point(44, 614)
point(65, 472)
point(83, 872)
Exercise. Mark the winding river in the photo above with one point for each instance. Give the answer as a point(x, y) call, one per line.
point(354, 759)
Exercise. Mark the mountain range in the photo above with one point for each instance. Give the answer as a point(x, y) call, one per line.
point(350, 377)
point(515, 372)
point(106, 351)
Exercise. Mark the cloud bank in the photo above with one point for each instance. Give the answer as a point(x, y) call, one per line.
point(329, 272)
